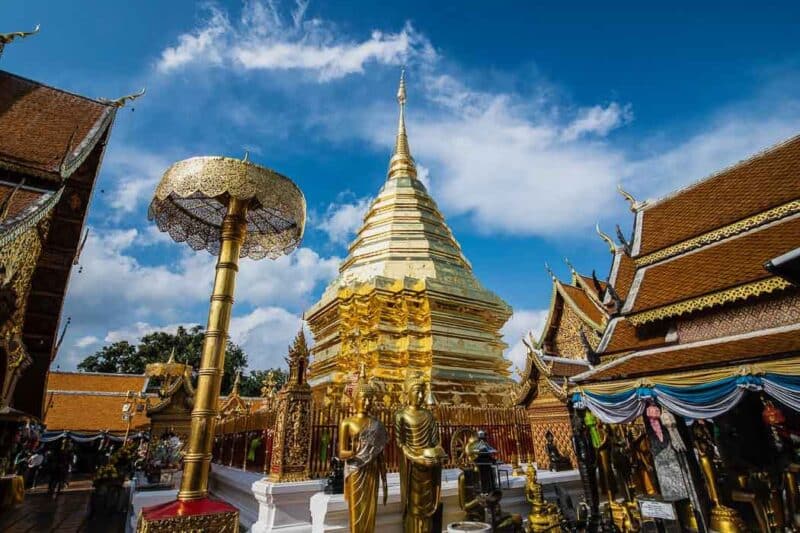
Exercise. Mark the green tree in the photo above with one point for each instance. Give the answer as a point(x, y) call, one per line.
point(124, 358)
point(251, 385)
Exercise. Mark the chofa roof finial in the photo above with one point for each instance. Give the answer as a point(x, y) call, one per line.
point(611, 246)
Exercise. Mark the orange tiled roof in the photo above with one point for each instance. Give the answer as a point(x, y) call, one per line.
point(623, 337)
point(766, 180)
point(583, 302)
point(95, 382)
point(90, 401)
point(626, 269)
point(735, 349)
point(88, 412)
point(588, 283)
point(730, 263)
point(42, 128)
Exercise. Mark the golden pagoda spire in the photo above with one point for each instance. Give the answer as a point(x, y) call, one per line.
point(402, 164)
point(171, 356)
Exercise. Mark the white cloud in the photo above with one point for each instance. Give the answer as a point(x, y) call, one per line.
point(263, 40)
point(264, 334)
point(729, 138)
point(598, 120)
point(342, 220)
point(135, 174)
point(508, 166)
point(85, 342)
point(136, 331)
point(522, 322)
point(118, 296)
point(204, 42)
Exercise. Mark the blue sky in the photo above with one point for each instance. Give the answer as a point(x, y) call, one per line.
point(522, 116)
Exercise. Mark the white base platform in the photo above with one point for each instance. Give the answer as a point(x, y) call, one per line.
point(303, 507)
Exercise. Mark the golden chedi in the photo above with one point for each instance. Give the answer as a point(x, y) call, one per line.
point(362, 439)
point(406, 299)
point(417, 435)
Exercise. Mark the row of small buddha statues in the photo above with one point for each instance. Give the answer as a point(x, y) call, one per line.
point(651, 460)
point(361, 442)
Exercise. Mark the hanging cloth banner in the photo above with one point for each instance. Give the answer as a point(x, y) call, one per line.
point(52, 436)
point(706, 394)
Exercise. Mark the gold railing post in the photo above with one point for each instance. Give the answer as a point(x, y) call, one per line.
point(194, 484)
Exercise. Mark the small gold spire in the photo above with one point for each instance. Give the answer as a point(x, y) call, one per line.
point(402, 163)
point(171, 356)
point(611, 246)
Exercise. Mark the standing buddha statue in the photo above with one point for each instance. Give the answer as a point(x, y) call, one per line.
point(362, 439)
point(421, 464)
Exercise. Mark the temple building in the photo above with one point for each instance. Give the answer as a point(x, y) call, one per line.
point(575, 322)
point(92, 402)
point(693, 289)
point(406, 299)
point(693, 392)
point(51, 146)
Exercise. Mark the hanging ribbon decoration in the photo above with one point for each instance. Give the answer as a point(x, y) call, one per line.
point(701, 395)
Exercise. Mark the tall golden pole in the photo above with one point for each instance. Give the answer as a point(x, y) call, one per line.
point(194, 484)
point(232, 208)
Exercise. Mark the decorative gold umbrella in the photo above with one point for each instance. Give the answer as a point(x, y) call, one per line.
point(232, 208)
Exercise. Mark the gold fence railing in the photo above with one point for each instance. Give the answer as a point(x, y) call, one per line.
point(245, 440)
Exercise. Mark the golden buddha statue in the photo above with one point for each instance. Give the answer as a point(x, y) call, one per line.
point(421, 465)
point(544, 516)
point(723, 519)
point(362, 439)
point(644, 466)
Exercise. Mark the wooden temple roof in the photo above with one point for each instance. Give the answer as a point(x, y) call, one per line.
point(91, 402)
point(734, 349)
point(44, 131)
point(697, 256)
point(764, 181)
point(732, 262)
point(544, 362)
point(51, 147)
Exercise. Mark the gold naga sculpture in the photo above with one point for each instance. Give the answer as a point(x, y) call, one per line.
point(362, 439)
point(544, 516)
point(421, 465)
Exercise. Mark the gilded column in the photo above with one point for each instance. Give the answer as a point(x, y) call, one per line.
point(194, 483)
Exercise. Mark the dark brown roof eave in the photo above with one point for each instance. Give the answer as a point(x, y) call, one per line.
point(786, 266)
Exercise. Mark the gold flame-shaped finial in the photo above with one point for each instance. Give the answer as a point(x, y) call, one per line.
point(171, 356)
point(402, 164)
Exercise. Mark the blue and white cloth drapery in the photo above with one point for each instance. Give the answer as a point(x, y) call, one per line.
point(695, 399)
point(82, 438)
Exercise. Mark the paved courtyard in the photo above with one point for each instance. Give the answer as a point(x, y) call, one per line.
point(67, 513)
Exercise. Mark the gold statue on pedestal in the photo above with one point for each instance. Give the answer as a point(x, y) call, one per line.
point(544, 516)
point(362, 439)
point(421, 465)
point(724, 519)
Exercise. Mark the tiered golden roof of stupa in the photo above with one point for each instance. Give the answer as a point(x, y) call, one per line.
point(406, 297)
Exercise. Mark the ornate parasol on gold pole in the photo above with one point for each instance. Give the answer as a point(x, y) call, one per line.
point(231, 208)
